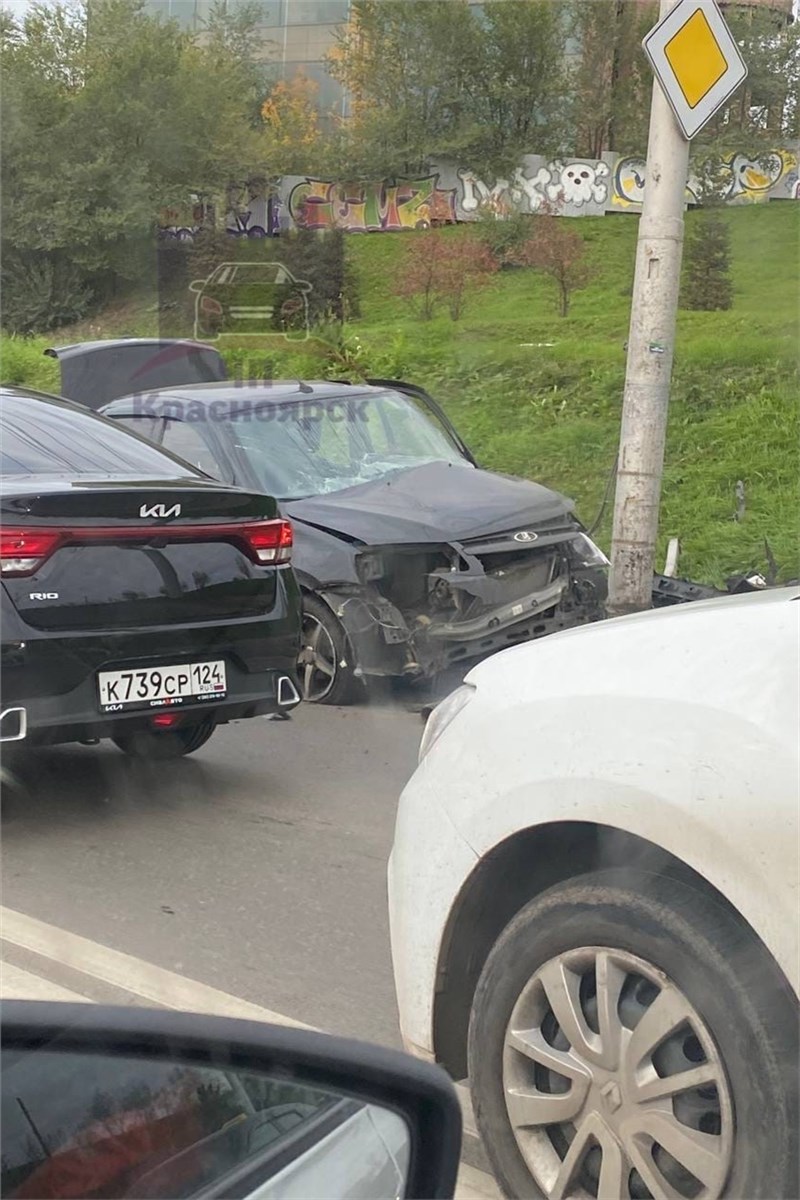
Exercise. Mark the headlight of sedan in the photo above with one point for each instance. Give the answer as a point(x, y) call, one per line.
point(443, 714)
point(587, 553)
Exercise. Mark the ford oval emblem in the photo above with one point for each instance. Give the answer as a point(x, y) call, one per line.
point(525, 535)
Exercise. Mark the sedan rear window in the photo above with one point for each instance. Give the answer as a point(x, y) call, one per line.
point(41, 437)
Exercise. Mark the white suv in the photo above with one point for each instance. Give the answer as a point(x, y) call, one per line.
point(594, 902)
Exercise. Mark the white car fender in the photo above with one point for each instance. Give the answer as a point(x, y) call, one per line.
point(597, 732)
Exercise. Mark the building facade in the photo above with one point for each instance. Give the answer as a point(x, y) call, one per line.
point(295, 35)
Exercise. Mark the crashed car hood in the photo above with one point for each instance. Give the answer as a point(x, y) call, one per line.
point(432, 503)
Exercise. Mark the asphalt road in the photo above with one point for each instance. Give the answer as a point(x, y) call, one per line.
point(257, 865)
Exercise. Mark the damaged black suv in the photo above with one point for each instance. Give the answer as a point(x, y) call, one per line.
point(411, 558)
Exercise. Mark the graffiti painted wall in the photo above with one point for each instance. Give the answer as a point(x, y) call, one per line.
point(573, 187)
point(740, 179)
point(377, 207)
point(252, 209)
point(577, 187)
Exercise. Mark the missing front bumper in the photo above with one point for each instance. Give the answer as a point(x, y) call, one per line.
point(388, 642)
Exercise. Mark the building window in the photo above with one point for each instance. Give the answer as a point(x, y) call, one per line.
point(270, 12)
point(316, 12)
point(330, 93)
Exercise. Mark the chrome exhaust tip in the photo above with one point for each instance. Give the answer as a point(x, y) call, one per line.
point(13, 725)
point(287, 692)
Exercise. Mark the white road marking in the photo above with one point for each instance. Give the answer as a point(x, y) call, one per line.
point(475, 1185)
point(164, 989)
point(161, 987)
point(16, 984)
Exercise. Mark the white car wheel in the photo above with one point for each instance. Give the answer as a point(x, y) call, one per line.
point(631, 1039)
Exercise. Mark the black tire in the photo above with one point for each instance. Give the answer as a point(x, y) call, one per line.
point(722, 971)
point(343, 686)
point(164, 744)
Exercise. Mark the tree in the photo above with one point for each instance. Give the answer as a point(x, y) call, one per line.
point(407, 66)
point(521, 101)
point(762, 115)
point(707, 283)
point(100, 132)
point(556, 248)
point(291, 117)
point(430, 78)
point(439, 268)
point(610, 79)
point(764, 110)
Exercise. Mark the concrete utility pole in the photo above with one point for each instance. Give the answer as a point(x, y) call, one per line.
point(650, 351)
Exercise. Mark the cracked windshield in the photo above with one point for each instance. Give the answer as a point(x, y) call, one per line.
point(400, 515)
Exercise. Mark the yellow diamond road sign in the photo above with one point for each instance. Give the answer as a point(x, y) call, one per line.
point(696, 61)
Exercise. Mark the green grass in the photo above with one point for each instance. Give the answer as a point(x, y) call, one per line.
point(551, 412)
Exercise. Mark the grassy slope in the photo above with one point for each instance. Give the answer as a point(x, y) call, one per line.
point(552, 412)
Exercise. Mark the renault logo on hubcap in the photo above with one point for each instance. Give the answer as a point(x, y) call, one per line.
point(611, 1096)
point(525, 535)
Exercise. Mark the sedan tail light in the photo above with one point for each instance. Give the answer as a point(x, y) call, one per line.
point(271, 541)
point(24, 551)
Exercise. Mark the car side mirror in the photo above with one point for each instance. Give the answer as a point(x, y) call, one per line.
point(134, 1102)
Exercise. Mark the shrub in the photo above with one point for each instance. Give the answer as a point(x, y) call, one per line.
point(707, 285)
point(42, 292)
point(442, 269)
point(23, 362)
point(503, 236)
point(556, 248)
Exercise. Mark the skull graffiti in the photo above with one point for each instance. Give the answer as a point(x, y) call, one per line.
point(579, 183)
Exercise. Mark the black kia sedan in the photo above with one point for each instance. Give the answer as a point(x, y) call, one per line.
point(411, 559)
point(141, 601)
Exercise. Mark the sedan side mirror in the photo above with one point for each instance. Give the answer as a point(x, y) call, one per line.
point(133, 1102)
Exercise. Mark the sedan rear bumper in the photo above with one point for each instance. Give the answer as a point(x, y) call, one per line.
point(53, 674)
point(74, 717)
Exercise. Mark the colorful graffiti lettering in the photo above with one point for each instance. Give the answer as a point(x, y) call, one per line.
point(370, 207)
point(754, 178)
point(743, 179)
point(629, 182)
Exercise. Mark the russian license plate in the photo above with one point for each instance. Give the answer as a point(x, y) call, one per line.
point(159, 687)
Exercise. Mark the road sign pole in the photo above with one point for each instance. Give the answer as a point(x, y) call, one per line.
point(650, 353)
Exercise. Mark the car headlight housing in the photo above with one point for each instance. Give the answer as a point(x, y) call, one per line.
point(587, 553)
point(443, 715)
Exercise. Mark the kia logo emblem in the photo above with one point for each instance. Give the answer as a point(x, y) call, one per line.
point(160, 510)
point(525, 535)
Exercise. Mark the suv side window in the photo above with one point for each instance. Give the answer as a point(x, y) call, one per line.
point(188, 443)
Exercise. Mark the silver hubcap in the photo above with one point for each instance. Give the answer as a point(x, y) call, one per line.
point(317, 659)
point(613, 1084)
